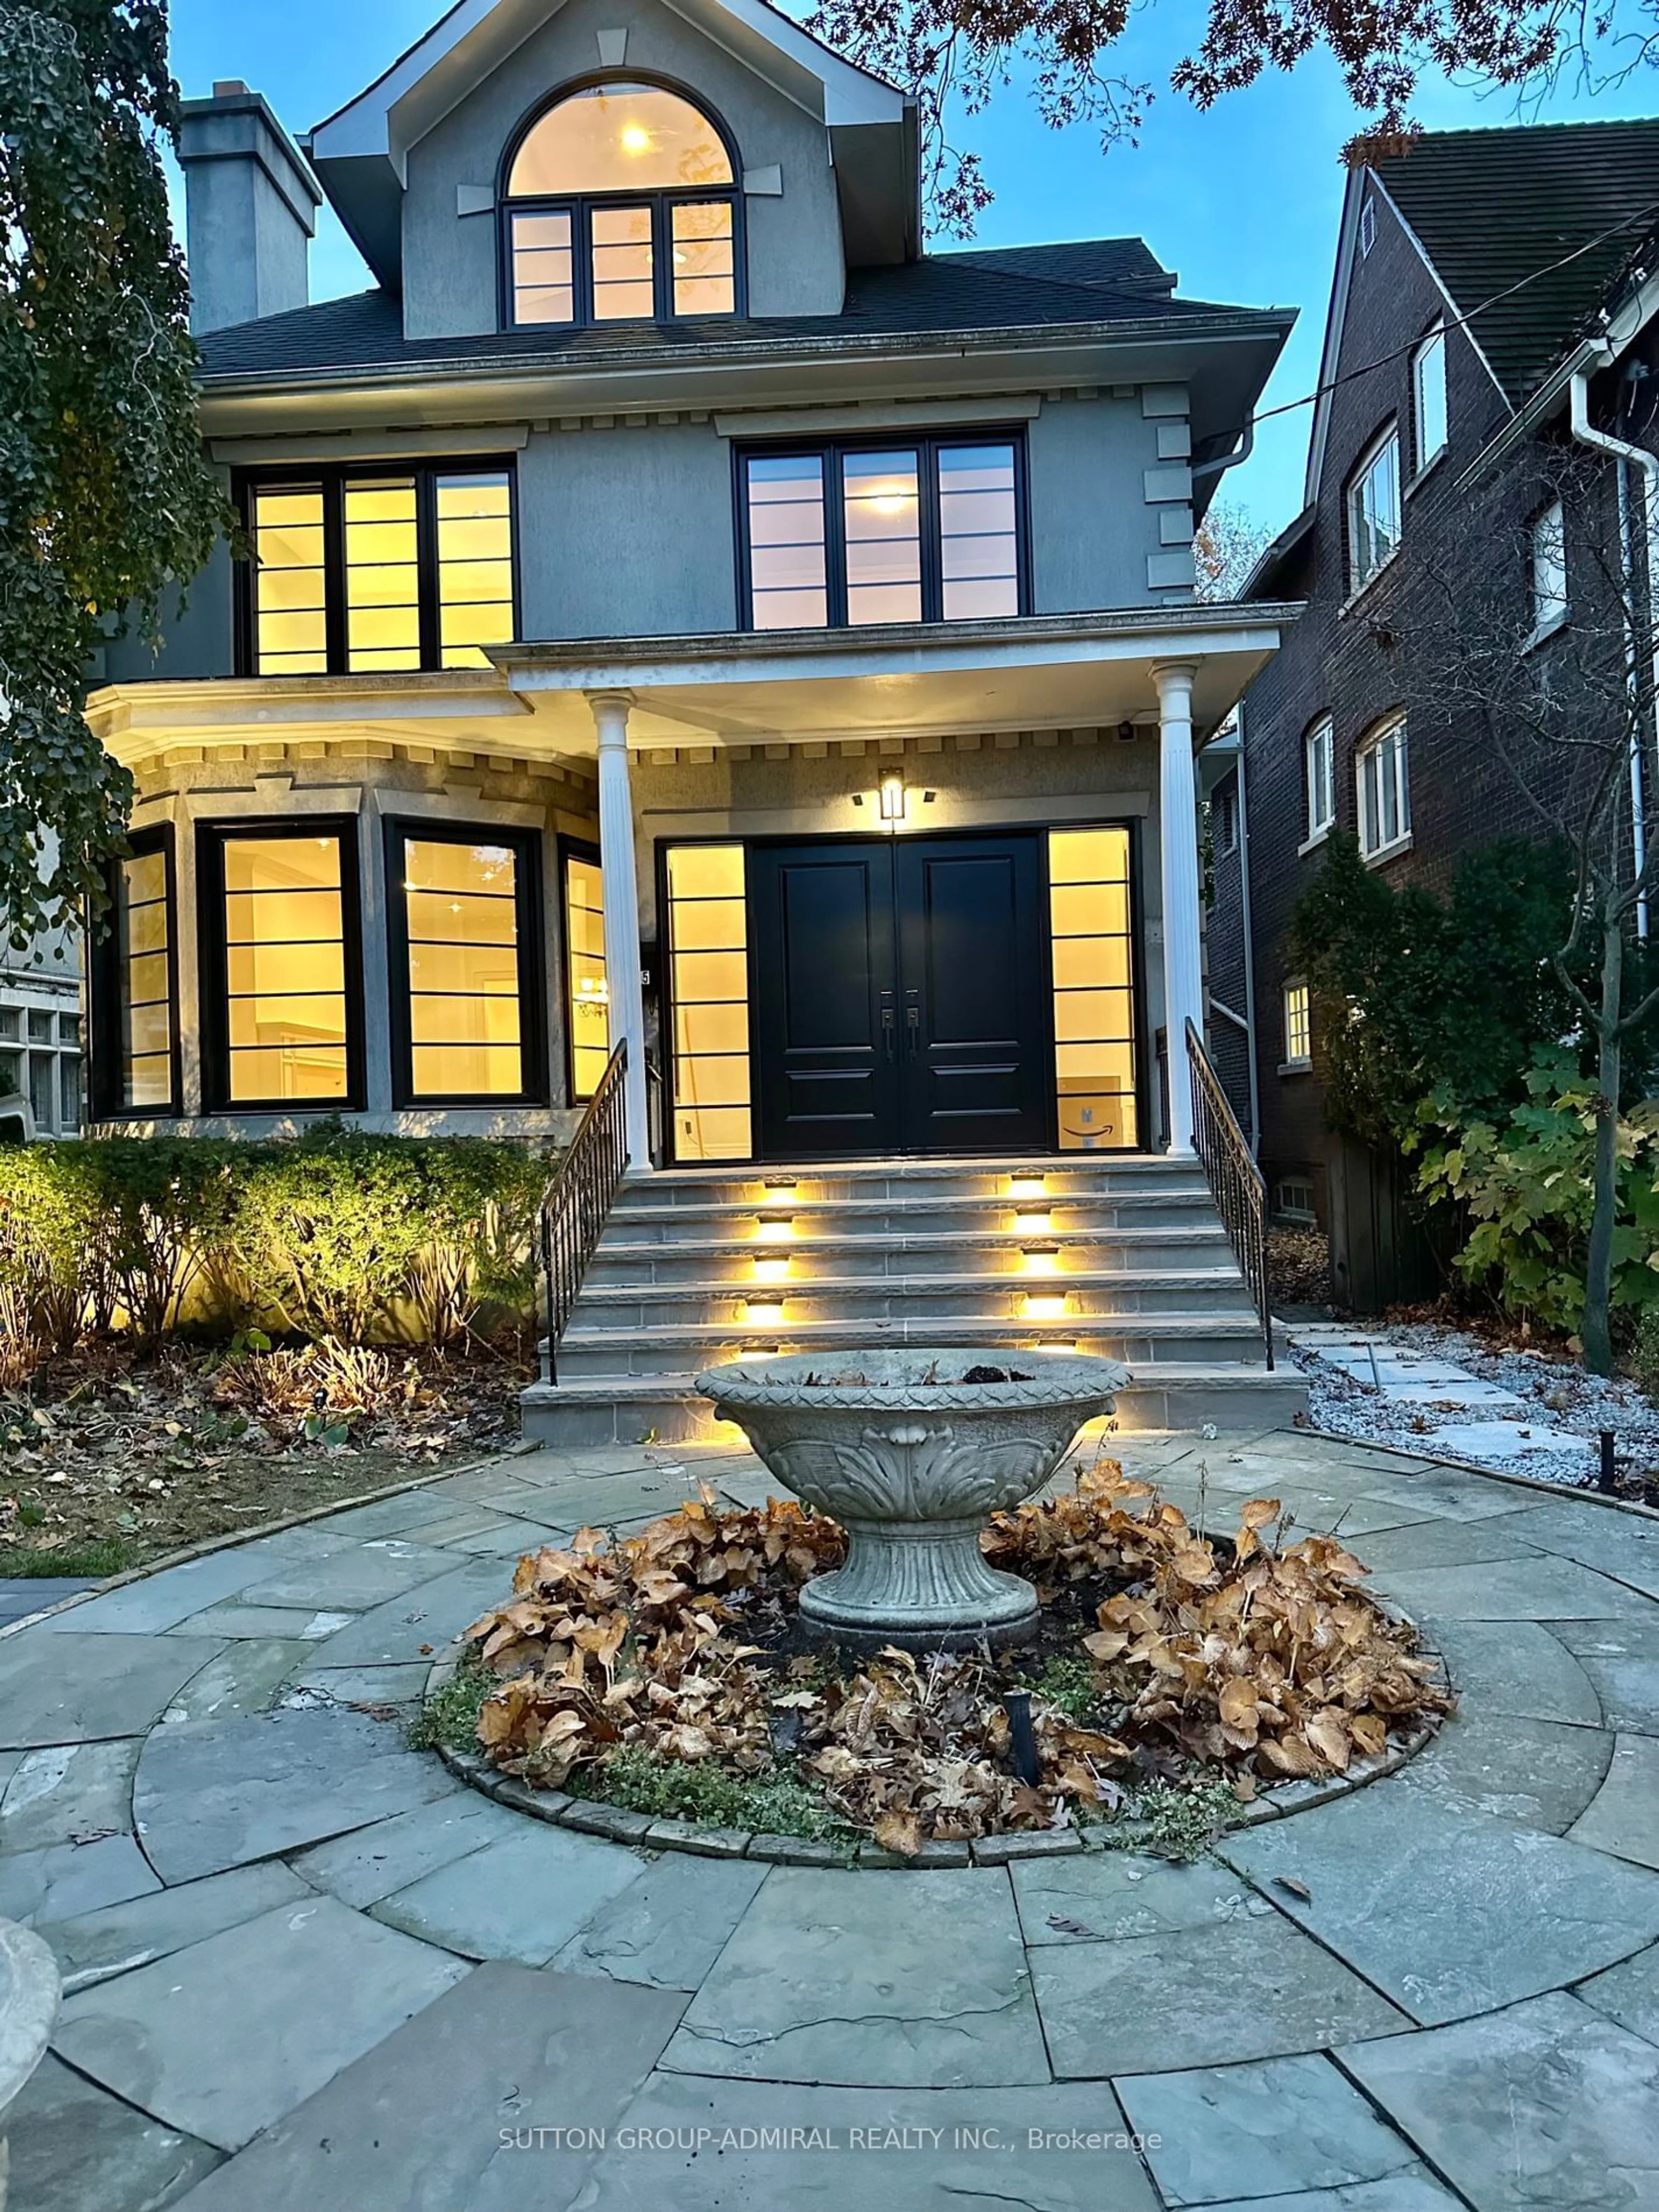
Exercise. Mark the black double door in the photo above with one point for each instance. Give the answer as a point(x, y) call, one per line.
point(901, 996)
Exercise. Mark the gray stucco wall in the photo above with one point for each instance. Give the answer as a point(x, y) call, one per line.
point(1092, 530)
point(197, 637)
point(795, 257)
point(627, 531)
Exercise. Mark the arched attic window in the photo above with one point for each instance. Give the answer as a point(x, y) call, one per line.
point(621, 206)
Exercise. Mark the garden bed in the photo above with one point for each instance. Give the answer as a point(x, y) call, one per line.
point(667, 1678)
point(110, 1460)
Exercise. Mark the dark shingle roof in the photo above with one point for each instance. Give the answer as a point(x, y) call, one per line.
point(1493, 209)
point(1098, 281)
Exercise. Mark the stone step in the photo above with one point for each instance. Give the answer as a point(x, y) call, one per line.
point(635, 1221)
point(623, 1258)
point(912, 1180)
point(576, 1414)
point(669, 1348)
point(1006, 1296)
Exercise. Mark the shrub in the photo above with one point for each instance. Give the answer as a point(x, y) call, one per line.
point(50, 1247)
point(1526, 1180)
point(338, 1235)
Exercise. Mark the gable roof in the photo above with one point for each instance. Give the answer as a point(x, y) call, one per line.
point(1112, 280)
point(1541, 222)
point(1550, 215)
point(361, 151)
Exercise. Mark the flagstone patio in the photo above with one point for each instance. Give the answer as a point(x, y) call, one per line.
point(306, 1971)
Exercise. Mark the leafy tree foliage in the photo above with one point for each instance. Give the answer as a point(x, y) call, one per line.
point(1414, 994)
point(1229, 543)
point(959, 53)
point(105, 498)
point(1446, 1030)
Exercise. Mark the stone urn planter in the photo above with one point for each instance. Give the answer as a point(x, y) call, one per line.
point(911, 1451)
point(28, 2007)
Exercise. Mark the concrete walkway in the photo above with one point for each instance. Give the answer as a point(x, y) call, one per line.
point(307, 1973)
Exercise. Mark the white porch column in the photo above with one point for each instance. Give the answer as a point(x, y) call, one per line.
point(622, 909)
point(1178, 835)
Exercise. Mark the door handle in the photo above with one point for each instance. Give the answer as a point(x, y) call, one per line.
point(889, 1032)
point(913, 1023)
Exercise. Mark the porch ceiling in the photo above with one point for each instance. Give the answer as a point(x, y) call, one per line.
point(1072, 671)
point(1052, 671)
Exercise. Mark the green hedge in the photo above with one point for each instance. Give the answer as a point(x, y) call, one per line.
point(334, 1234)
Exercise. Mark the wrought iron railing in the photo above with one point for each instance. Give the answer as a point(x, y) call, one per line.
point(579, 1197)
point(1236, 1182)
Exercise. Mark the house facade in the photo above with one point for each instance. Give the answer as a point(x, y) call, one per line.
point(680, 611)
point(1490, 322)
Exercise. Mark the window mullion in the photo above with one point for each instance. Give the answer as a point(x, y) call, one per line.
point(426, 561)
point(334, 571)
point(929, 528)
point(835, 534)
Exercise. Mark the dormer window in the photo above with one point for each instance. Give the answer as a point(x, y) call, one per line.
point(621, 206)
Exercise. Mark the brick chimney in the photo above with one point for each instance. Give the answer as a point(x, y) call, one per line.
point(250, 203)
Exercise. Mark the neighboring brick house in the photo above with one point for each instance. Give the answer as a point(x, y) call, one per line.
point(1478, 274)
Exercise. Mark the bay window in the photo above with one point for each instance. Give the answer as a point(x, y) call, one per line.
point(903, 530)
point(134, 984)
point(281, 966)
point(465, 965)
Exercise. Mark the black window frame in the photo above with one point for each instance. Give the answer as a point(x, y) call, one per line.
point(105, 1051)
point(331, 478)
point(928, 446)
point(575, 848)
point(212, 838)
point(579, 207)
point(400, 830)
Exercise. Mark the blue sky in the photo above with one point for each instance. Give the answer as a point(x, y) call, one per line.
point(1243, 201)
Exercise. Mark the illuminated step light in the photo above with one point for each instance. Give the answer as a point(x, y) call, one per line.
point(1045, 1306)
point(1050, 1344)
point(1041, 1259)
point(1028, 1186)
point(782, 1182)
point(774, 1227)
point(762, 1311)
point(1033, 1221)
point(771, 1271)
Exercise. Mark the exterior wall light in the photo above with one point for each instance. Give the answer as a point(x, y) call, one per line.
point(892, 799)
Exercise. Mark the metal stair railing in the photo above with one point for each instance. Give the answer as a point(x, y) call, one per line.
point(1236, 1182)
point(579, 1197)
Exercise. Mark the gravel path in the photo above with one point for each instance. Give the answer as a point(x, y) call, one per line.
point(1424, 1388)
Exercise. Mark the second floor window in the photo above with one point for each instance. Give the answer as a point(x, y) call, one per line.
point(918, 530)
point(1374, 510)
point(620, 206)
point(1429, 400)
point(1546, 539)
point(1385, 814)
point(379, 570)
point(1322, 778)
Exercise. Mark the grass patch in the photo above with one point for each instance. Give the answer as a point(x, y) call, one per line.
point(449, 1720)
point(776, 1803)
point(1069, 1686)
point(1170, 1823)
point(95, 1561)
